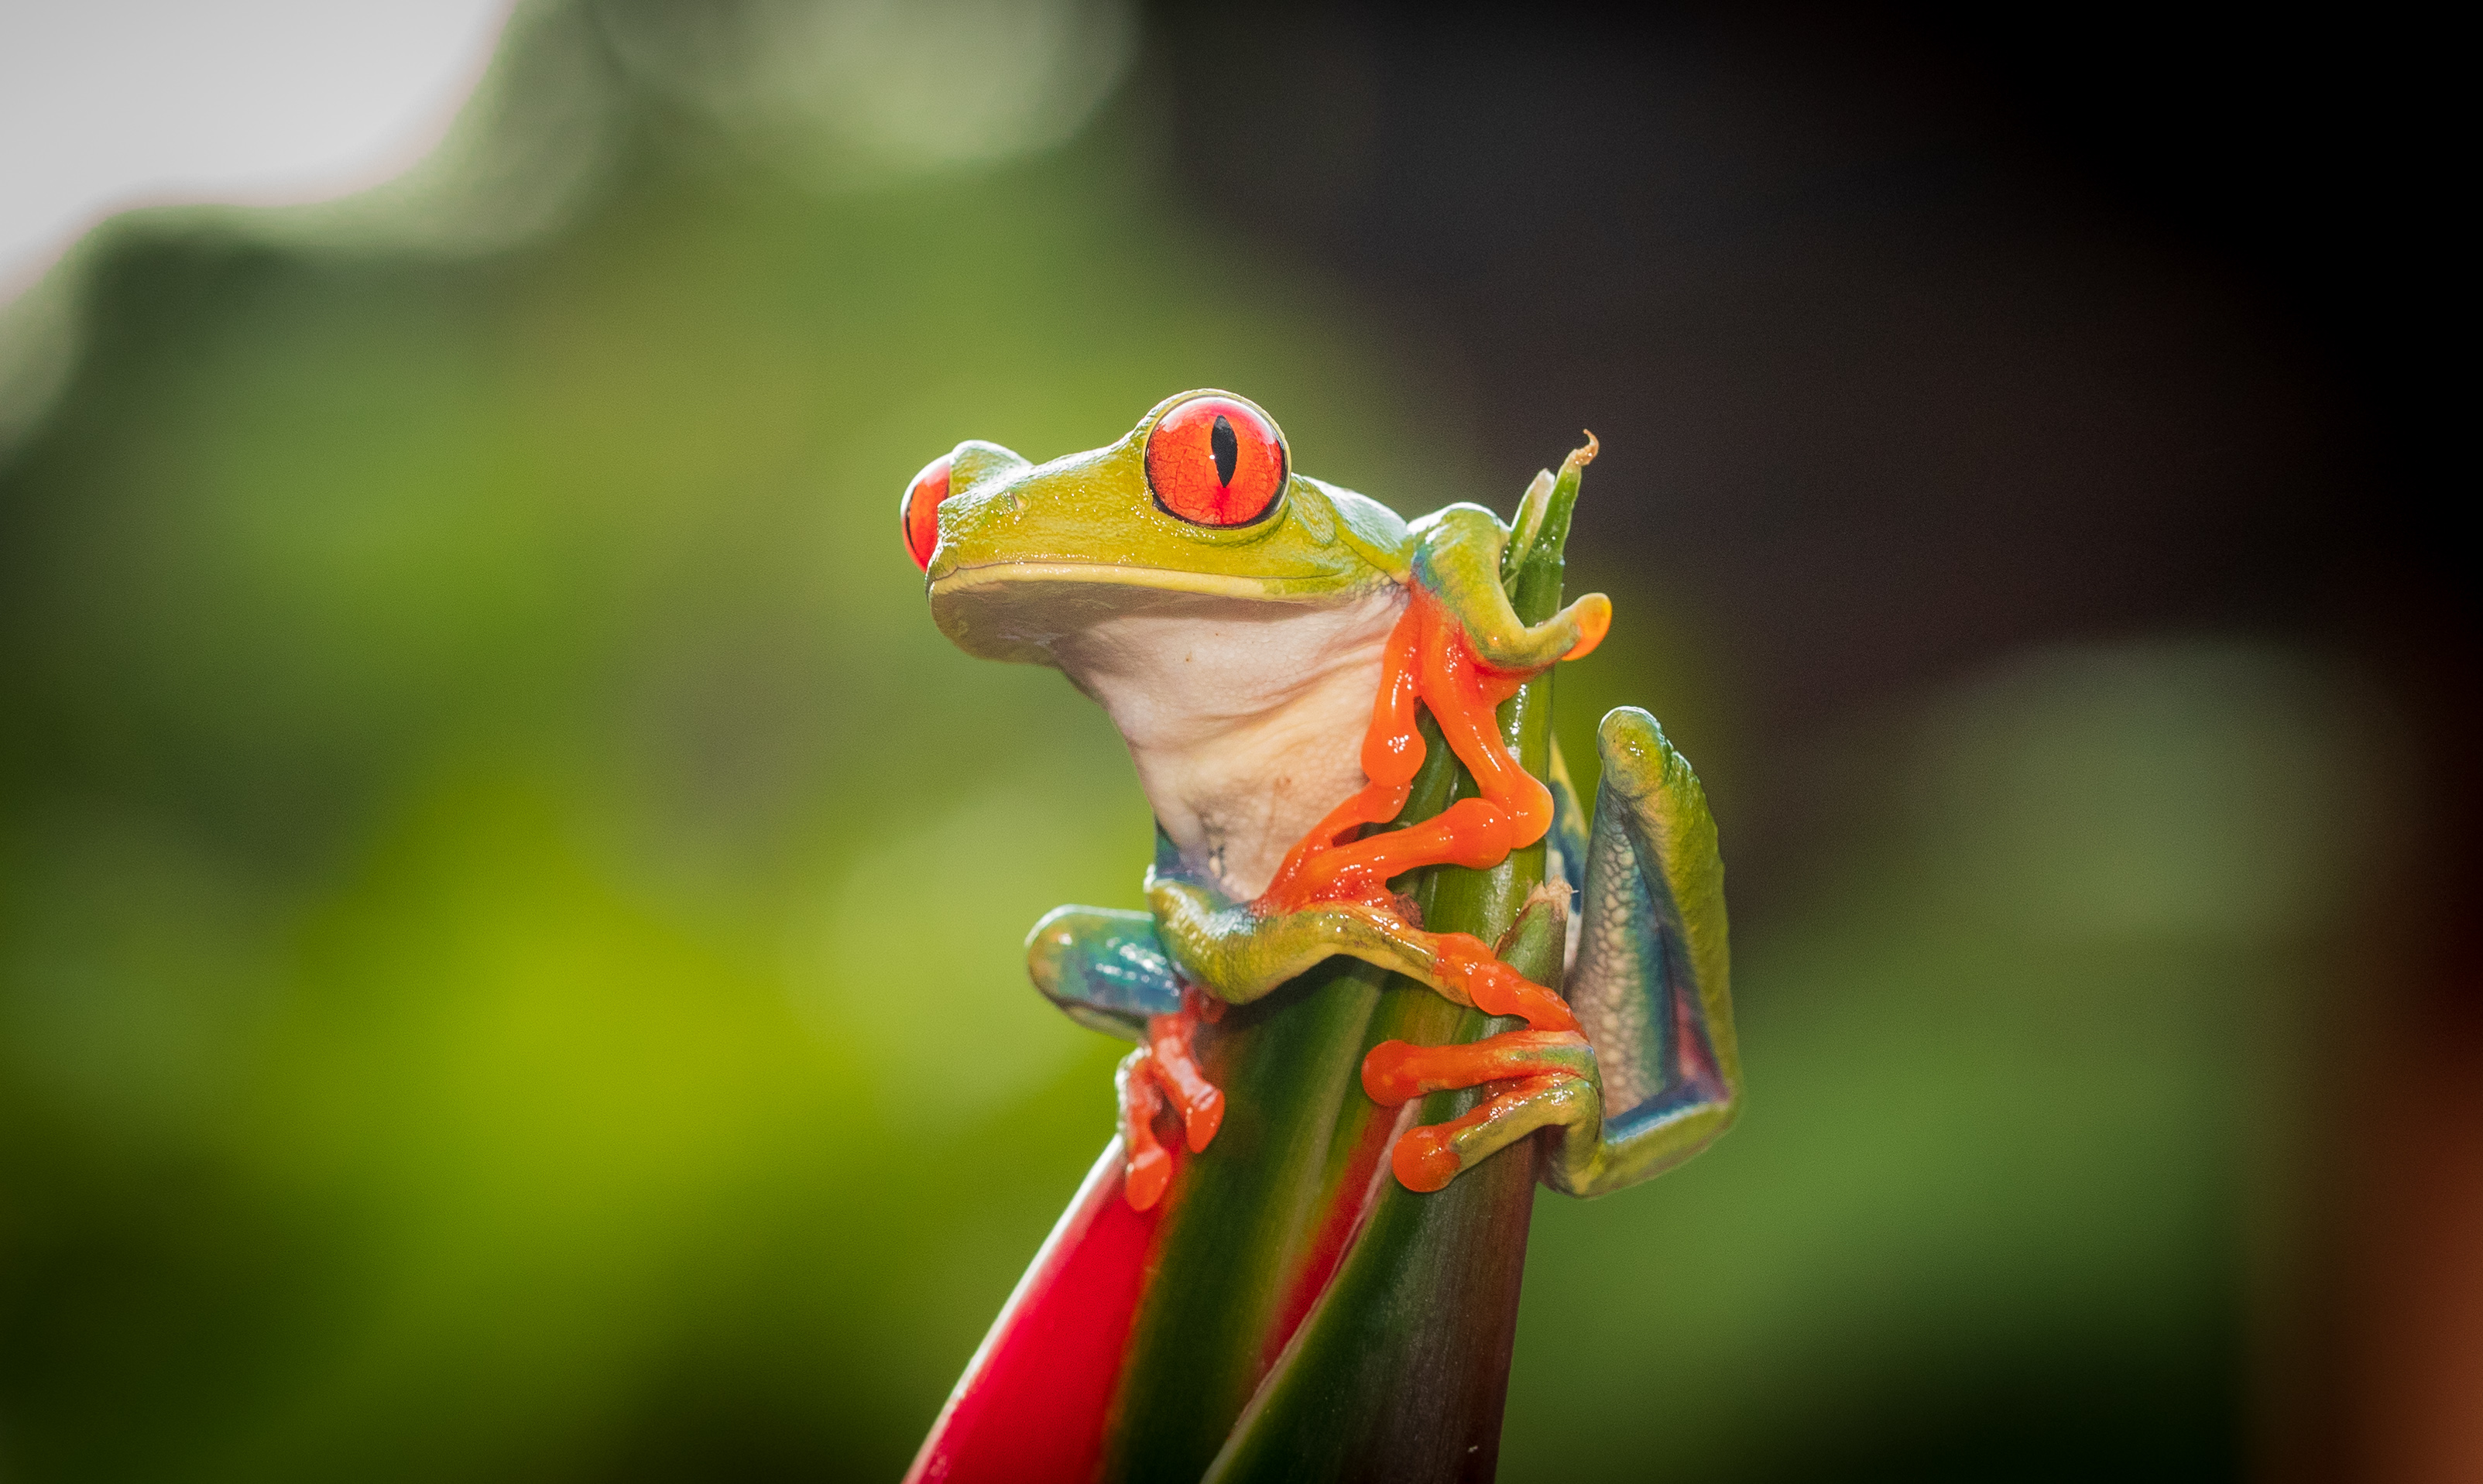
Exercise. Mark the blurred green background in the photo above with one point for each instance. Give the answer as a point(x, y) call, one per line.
point(510, 913)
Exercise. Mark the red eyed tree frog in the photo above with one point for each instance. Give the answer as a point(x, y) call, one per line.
point(1261, 640)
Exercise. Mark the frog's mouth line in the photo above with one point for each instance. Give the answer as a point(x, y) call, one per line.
point(1279, 588)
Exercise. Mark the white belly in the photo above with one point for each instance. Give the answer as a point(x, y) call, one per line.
point(1245, 719)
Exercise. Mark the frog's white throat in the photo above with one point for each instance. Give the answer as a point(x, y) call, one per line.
point(1245, 719)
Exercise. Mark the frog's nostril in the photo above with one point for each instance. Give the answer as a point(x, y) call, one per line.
point(918, 513)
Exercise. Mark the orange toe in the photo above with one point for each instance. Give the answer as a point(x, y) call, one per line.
point(1594, 620)
point(1201, 1117)
point(1145, 1175)
point(1392, 1073)
point(1173, 1063)
point(1423, 1159)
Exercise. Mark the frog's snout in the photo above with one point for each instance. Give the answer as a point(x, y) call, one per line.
point(970, 463)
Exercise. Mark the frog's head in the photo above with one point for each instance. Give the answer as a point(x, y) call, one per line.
point(1197, 508)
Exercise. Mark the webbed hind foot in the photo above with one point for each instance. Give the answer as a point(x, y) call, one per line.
point(1549, 1079)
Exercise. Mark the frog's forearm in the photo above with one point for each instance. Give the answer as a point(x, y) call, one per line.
point(1458, 561)
point(1238, 955)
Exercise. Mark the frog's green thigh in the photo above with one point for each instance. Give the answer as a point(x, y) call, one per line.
point(1238, 955)
point(1652, 984)
point(1105, 970)
point(1657, 1076)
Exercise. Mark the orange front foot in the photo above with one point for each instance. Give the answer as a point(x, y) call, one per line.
point(1160, 1073)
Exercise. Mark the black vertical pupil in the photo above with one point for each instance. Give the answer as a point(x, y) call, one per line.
point(1226, 447)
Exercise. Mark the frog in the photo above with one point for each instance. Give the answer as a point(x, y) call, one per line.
point(1267, 644)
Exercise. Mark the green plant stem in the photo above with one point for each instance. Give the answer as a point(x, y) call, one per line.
point(1401, 1369)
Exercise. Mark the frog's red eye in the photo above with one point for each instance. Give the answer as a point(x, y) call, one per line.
point(1213, 461)
point(918, 513)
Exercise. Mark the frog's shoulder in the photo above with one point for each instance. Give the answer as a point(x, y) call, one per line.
point(1379, 533)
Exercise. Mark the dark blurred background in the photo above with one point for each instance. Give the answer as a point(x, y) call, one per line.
point(509, 914)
